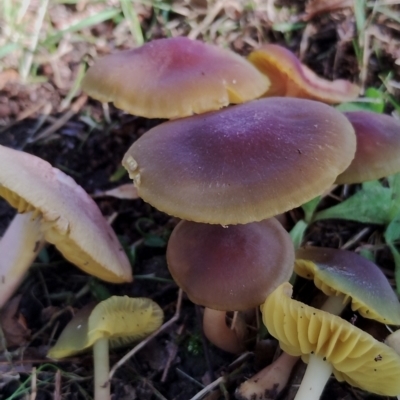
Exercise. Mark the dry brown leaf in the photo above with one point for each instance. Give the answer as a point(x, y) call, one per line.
point(9, 75)
point(314, 7)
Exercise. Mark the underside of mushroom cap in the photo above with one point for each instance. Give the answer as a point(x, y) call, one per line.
point(174, 78)
point(71, 220)
point(356, 356)
point(337, 272)
point(232, 268)
point(378, 147)
point(289, 77)
point(242, 164)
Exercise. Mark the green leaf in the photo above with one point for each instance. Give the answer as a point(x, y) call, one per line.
point(98, 290)
point(392, 232)
point(368, 254)
point(394, 183)
point(396, 257)
point(369, 205)
point(284, 27)
point(309, 208)
point(297, 233)
point(118, 174)
point(374, 101)
point(378, 105)
point(155, 241)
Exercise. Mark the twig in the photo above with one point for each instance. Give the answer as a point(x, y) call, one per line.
point(356, 238)
point(27, 62)
point(209, 388)
point(143, 343)
point(33, 384)
point(57, 386)
point(185, 375)
point(207, 21)
point(75, 107)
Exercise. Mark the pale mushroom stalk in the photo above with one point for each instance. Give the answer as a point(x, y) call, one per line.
point(335, 304)
point(19, 246)
point(273, 378)
point(102, 363)
point(219, 334)
point(317, 374)
point(270, 380)
point(113, 322)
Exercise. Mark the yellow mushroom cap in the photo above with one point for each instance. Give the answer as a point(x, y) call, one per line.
point(356, 356)
point(289, 77)
point(122, 320)
point(244, 163)
point(337, 272)
point(70, 219)
point(174, 78)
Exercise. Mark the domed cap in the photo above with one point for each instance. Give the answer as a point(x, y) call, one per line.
point(174, 78)
point(232, 268)
point(378, 147)
point(338, 272)
point(289, 77)
point(356, 356)
point(70, 219)
point(122, 320)
point(244, 163)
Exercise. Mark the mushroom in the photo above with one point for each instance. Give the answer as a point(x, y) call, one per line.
point(229, 269)
point(116, 321)
point(174, 78)
point(343, 276)
point(242, 164)
point(329, 344)
point(55, 209)
point(289, 77)
point(378, 147)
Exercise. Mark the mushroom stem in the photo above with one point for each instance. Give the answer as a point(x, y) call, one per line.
point(266, 380)
point(270, 381)
point(219, 334)
point(335, 304)
point(19, 246)
point(317, 374)
point(101, 369)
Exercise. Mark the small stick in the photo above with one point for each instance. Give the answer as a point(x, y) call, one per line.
point(33, 384)
point(209, 388)
point(143, 343)
point(57, 386)
point(60, 122)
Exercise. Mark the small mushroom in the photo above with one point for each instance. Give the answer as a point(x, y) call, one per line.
point(378, 147)
point(329, 344)
point(343, 276)
point(346, 276)
point(229, 269)
point(174, 78)
point(242, 164)
point(54, 209)
point(114, 322)
point(289, 77)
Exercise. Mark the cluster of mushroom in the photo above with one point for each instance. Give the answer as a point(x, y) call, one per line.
point(228, 172)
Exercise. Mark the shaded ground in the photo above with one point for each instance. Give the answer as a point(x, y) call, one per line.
point(45, 114)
